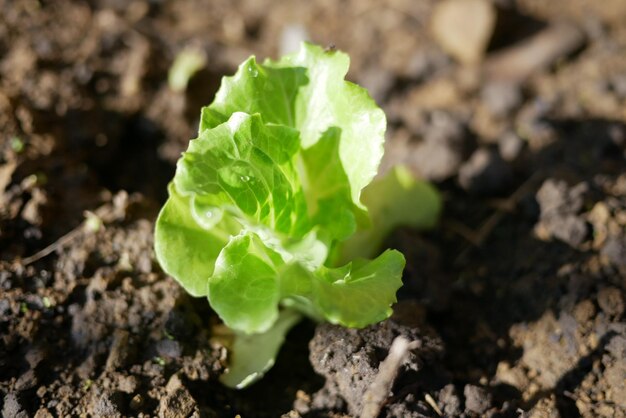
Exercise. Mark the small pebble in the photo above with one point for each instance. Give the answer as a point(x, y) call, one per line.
point(501, 98)
point(169, 348)
point(477, 399)
point(510, 146)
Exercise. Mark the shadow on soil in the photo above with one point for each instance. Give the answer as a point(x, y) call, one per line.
point(475, 294)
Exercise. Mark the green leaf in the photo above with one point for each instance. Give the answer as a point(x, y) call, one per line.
point(183, 248)
point(395, 199)
point(355, 295)
point(362, 292)
point(330, 101)
point(251, 355)
point(307, 91)
point(244, 289)
point(255, 88)
point(250, 280)
point(329, 196)
point(245, 167)
point(399, 198)
point(269, 207)
point(185, 65)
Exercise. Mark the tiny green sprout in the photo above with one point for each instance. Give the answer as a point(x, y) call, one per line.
point(185, 65)
point(37, 179)
point(29, 181)
point(269, 214)
point(17, 144)
point(87, 384)
point(24, 308)
point(42, 178)
point(47, 303)
point(93, 223)
point(158, 360)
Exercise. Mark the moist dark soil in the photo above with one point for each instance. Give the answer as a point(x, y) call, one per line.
point(515, 303)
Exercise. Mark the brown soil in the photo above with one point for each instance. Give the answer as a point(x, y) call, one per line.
point(517, 299)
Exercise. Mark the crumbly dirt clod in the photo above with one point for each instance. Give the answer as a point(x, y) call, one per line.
point(349, 359)
point(520, 292)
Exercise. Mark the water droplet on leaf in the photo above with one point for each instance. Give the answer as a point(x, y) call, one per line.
point(253, 71)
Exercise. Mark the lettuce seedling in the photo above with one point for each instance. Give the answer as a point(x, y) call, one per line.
point(265, 215)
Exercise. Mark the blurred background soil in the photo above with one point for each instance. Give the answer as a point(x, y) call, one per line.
point(515, 109)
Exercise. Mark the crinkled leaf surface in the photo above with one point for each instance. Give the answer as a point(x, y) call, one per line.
point(360, 293)
point(238, 182)
point(268, 192)
point(183, 247)
point(307, 91)
point(244, 168)
point(244, 288)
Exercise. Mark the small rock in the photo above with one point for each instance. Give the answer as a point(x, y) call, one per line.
point(449, 401)
point(87, 369)
point(614, 250)
point(144, 263)
point(611, 301)
point(445, 127)
point(584, 311)
point(302, 404)
point(43, 413)
point(436, 161)
point(169, 348)
point(555, 196)
point(440, 153)
point(136, 402)
point(512, 376)
point(570, 229)
point(463, 28)
point(120, 352)
point(484, 173)
point(6, 173)
point(510, 146)
point(108, 404)
point(26, 381)
point(34, 356)
point(477, 399)
point(545, 408)
point(617, 346)
point(599, 218)
point(178, 402)
point(12, 407)
point(5, 307)
point(614, 372)
point(501, 97)
point(126, 384)
point(559, 205)
point(31, 211)
point(439, 156)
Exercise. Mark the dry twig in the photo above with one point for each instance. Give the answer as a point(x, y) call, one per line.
point(374, 398)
